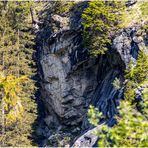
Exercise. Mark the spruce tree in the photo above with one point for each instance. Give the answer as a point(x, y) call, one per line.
point(100, 21)
point(16, 61)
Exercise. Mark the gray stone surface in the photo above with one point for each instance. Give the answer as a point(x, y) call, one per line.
point(88, 139)
point(71, 80)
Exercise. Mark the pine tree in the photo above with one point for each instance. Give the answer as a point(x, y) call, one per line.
point(16, 61)
point(99, 21)
point(141, 68)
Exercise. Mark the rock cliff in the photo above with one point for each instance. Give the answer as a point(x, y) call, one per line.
point(71, 79)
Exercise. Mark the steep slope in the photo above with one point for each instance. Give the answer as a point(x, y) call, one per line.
point(71, 80)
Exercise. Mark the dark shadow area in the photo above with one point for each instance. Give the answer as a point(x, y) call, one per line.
point(36, 138)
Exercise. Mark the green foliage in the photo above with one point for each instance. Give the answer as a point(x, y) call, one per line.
point(144, 8)
point(143, 105)
point(11, 90)
point(16, 61)
point(99, 21)
point(94, 115)
point(130, 131)
point(15, 41)
point(138, 11)
point(136, 75)
point(129, 92)
point(146, 28)
point(141, 68)
point(117, 84)
point(132, 121)
point(62, 6)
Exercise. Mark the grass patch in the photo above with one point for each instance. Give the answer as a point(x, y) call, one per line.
point(135, 14)
point(144, 8)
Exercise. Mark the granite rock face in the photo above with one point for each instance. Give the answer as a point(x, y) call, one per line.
point(71, 80)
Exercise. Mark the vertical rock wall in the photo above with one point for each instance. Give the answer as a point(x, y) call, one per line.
point(71, 80)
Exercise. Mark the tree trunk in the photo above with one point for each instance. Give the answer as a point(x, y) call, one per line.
point(18, 57)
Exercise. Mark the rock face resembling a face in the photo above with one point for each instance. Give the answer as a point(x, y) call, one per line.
point(66, 86)
point(71, 80)
point(55, 78)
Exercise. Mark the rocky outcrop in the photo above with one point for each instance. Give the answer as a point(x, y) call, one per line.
point(71, 80)
point(63, 86)
point(124, 49)
point(88, 139)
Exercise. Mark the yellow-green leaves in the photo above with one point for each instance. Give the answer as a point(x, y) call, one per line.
point(130, 130)
point(11, 89)
point(94, 115)
point(117, 83)
point(141, 68)
point(63, 6)
point(17, 92)
point(136, 75)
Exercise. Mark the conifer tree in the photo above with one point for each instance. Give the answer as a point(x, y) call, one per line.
point(16, 61)
point(99, 21)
